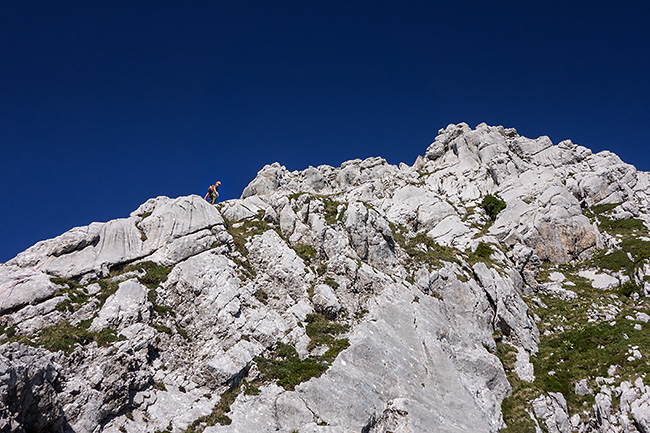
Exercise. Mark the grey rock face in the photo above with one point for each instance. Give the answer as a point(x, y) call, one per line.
point(30, 383)
point(552, 409)
point(325, 300)
point(127, 306)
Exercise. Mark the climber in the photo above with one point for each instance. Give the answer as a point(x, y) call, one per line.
point(212, 193)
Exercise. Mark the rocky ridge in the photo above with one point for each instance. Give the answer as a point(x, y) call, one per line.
point(367, 297)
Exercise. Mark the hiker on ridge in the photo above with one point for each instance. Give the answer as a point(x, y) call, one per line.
point(212, 193)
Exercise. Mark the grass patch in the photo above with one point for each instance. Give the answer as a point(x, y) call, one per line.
point(514, 412)
point(252, 389)
point(65, 337)
point(249, 227)
point(322, 331)
point(331, 282)
point(481, 254)
point(107, 288)
point(627, 289)
point(573, 348)
point(638, 249)
point(615, 261)
point(245, 266)
point(599, 209)
point(77, 294)
point(9, 331)
point(296, 195)
point(330, 211)
point(623, 227)
point(183, 333)
point(159, 386)
point(261, 296)
point(306, 252)
point(286, 368)
point(161, 310)
point(423, 249)
point(587, 351)
point(161, 328)
point(218, 414)
point(155, 274)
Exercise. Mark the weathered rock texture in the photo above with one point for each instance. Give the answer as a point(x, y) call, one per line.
point(374, 275)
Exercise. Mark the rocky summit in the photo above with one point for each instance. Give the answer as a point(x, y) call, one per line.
point(500, 283)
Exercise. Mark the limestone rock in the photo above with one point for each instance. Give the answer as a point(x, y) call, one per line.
point(552, 410)
point(411, 313)
point(325, 301)
point(30, 381)
point(127, 306)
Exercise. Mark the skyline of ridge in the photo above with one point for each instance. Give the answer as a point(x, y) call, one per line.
point(107, 105)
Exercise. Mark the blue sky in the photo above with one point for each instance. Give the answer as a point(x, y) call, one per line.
point(106, 104)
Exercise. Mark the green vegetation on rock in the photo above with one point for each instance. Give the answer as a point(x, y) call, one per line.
point(64, 336)
point(218, 414)
point(77, 294)
point(306, 252)
point(492, 206)
point(580, 338)
point(285, 366)
point(330, 211)
point(261, 296)
point(322, 331)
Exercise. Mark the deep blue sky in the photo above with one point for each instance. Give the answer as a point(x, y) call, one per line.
point(104, 104)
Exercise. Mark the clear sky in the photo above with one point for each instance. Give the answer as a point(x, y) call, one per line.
point(104, 104)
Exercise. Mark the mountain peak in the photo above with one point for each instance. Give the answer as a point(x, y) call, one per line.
point(496, 277)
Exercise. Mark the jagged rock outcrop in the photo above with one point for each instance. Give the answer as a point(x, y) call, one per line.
point(368, 297)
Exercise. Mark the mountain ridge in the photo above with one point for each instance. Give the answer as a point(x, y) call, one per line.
point(367, 297)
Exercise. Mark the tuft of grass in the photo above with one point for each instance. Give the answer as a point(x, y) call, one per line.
point(218, 414)
point(330, 211)
point(492, 205)
point(627, 289)
point(481, 254)
point(161, 328)
point(599, 209)
point(285, 366)
point(261, 296)
point(161, 310)
point(64, 336)
point(296, 195)
point(155, 274)
point(77, 294)
point(245, 266)
point(331, 282)
point(322, 331)
point(483, 250)
point(9, 331)
point(248, 228)
point(306, 252)
point(108, 288)
point(159, 386)
point(625, 226)
point(513, 407)
point(424, 250)
point(252, 390)
point(183, 333)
